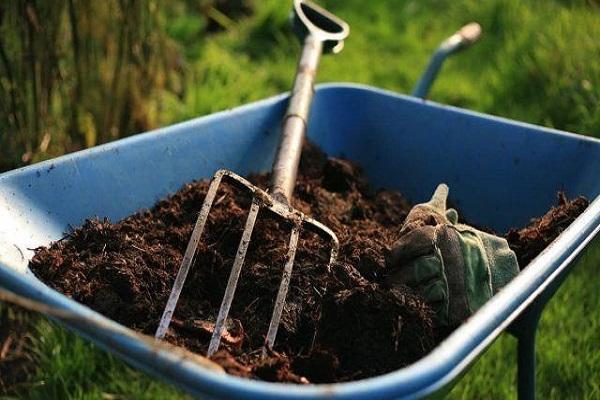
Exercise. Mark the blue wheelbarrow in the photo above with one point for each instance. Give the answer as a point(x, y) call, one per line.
point(501, 173)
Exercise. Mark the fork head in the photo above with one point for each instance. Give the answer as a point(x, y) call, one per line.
point(285, 211)
point(260, 199)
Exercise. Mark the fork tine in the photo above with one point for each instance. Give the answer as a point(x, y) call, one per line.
point(215, 340)
point(188, 257)
point(283, 289)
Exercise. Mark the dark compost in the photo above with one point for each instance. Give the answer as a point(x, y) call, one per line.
point(337, 326)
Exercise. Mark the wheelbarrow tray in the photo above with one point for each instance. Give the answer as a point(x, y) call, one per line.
point(500, 172)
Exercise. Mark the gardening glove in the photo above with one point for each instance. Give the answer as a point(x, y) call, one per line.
point(455, 267)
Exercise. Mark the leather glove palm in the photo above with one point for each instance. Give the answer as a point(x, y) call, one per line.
point(455, 267)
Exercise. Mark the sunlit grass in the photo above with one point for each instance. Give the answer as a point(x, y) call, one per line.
point(72, 368)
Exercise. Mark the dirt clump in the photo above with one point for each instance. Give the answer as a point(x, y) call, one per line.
point(529, 241)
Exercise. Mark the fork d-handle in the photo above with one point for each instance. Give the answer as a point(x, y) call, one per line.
point(287, 158)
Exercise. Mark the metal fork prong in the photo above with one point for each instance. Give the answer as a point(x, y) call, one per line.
point(188, 256)
point(215, 340)
point(335, 247)
point(324, 231)
point(283, 289)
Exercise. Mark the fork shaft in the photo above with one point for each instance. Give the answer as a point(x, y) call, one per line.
point(285, 166)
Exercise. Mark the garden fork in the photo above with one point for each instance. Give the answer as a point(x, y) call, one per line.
point(320, 31)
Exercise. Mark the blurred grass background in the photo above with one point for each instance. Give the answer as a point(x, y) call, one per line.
point(77, 73)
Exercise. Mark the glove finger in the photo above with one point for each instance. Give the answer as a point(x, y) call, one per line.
point(436, 296)
point(434, 292)
point(416, 243)
point(421, 216)
point(419, 271)
point(452, 216)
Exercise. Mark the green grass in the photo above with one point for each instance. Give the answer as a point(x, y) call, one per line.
point(535, 63)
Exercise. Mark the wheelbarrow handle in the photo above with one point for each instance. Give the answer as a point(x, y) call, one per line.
point(463, 38)
point(320, 31)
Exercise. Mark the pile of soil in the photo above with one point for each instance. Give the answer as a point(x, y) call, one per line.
point(528, 242)
point(337, 325)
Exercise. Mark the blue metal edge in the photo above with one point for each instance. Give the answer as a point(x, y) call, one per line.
point(424, 377)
